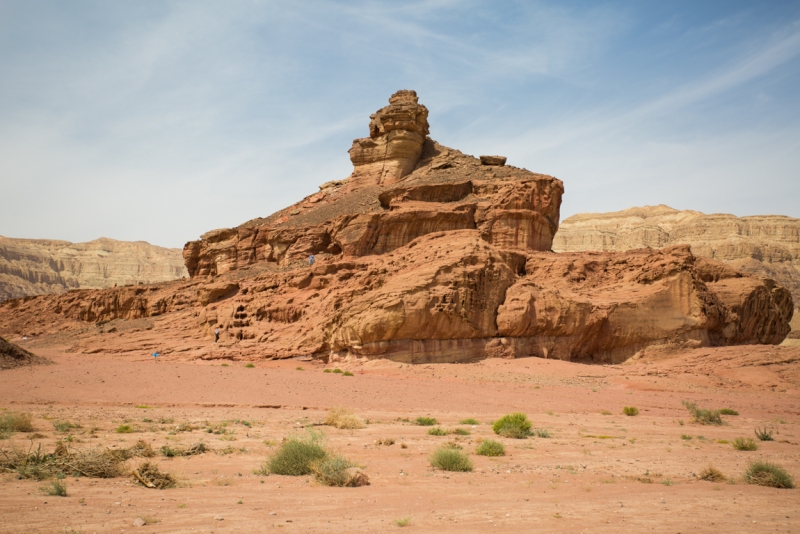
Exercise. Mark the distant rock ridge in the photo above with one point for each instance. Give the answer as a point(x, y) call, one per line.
point(423, 254)
point(43, 266)
point(766, 246)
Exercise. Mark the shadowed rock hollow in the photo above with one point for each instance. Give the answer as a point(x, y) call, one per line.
point(422, 254)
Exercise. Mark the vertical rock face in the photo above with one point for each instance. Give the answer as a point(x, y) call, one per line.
point(42, 266)
point(394, 145)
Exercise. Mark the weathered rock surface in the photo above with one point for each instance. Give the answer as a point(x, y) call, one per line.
point(450, 262)
point(42, 266)
point(767, 246)
point(13, 356)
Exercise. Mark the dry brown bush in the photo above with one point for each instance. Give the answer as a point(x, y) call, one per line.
point(341, 417)
point(149, 476)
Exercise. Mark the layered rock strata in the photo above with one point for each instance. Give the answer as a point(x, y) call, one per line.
point(448, 262)
point(767, 246)
point(42, 266)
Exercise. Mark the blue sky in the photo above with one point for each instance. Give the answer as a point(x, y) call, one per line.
point(159, 121)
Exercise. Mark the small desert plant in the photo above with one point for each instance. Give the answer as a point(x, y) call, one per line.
point(745, 444)
point(142, 449)
point(686, 436)
point(711, 474)
point(124, 429)
point(515, 425)
point(461, 432)
point(437, 431)
point(605, 412)
point(347, 373)
point(341, 417)
point(335, 470)
point(469, 421)
point(764, 435)
point(16, 422)
point(56, 488)
point(64, 426)
point(149, 476)
point(426, 421)
point(768, 474)
point(542, 433)
point(449, 459)
point(327, 371)
point(703, 416)
point(295, 455)
point(299, 368)
point(337, 371)
point(250, 366)
point(403, 521)
point(489, 447)
point(728, 411)
point(630, 410)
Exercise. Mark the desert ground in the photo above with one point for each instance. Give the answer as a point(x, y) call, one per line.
point(599, 471)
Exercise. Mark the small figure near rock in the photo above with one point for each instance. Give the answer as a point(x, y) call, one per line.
point(216, 335)
point(311, 260)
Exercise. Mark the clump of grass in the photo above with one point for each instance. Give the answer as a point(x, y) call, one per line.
point(16, 422)
point(542, 433)
point(327, 371)
point(224, 365)
point(630, 411)
point(149, 476)
point(745, 444)
point(347, 373)
point(768, 474)
point(515, 425)
point(295, 455)
point(299, 368)
point(426, 421)
point(124, 429)
point(403, 521)
point(723, 441)
point(197, 448)
point(764, 435)
point(727, 411)
point(605, 412)
point(64, 426)
point(341, 417)
point(250, 366)
point(703, 416)
point(469, 421)
point(449, 459)
point(711, 474)
point(56, 488)
point(335, 470)
point(489, 447)
point(338, 371)
point(686, 436)
point(461, 432)
point(437, 431)
point(142, 449)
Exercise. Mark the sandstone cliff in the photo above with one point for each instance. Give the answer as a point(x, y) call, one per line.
point(425, 255)
point(767, 246)
point(42, 266)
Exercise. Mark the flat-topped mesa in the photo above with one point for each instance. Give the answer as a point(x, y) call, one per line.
point(394, 146)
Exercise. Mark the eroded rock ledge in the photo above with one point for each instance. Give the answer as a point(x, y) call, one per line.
point(444, 260)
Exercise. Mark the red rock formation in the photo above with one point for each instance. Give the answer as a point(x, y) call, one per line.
point(450, 262)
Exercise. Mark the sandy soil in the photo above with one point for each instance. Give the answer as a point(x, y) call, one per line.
point(600, 471)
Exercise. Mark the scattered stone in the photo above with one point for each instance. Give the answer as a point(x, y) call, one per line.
point(498, 161)
point(139, 522)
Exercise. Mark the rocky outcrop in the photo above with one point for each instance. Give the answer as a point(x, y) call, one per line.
point(449, 262)
point(42, 266)
point(767, 246)
point(13, 356)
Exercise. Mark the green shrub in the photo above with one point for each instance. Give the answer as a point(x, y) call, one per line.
point(56, 488)
point(16, 422)
point(542, 433)
point(489, 447)
point(64, 426)
point(295, 455)
point(702, 416)
point(745, 444)
point(630, 410)
point(298, 368)
point(449, 459)
point(403, 521)
point(686, 436)
point(461, 432)
point(469, 421)
point(347, 373)
point(728, 411)
point(327, 371)
point(437, 431)
point(515, 425)
point(337, 370)
point(250, 366)
point(426, 421)
point(768, 474)
point(124, 429)
point(764, 435)
point(332, 470)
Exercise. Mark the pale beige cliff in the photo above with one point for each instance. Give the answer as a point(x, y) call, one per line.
point(767, 246)
point(43, 266)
